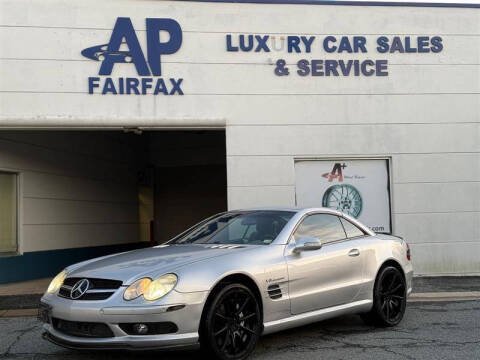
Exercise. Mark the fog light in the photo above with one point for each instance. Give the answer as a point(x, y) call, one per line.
point(140, 329)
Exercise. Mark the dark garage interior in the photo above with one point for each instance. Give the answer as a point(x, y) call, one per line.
point(82, 194)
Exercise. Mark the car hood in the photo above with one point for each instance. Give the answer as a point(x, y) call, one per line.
point(149, 262)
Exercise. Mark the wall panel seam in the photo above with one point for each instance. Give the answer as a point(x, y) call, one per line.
point(356, 124)
point(256, 186)
point(261, 94)
point(109, 181)
point(82, 223)
point(436, 212)
point(246, 32)
point(438, 182)
point(133, 203)
point(445, 242)
point(69, 152)
point(316, 155)
point(228, 63)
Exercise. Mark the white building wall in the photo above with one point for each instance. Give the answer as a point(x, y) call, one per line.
point(76, 189)
point(425, 115)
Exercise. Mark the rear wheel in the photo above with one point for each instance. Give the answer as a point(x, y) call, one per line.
point(389, 298)
point(232, 323)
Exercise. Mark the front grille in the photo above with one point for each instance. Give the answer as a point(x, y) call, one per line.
point(95, 288)
point(274, 291)
point(166, 327)
point(82, 329)
point(64, 292)
point(99, 284)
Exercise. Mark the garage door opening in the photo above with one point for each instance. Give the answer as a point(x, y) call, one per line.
point(74, 195)
point(190, 179)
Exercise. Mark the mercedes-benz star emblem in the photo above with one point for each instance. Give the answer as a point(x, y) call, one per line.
point(79, 289)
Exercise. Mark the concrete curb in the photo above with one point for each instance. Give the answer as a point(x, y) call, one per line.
point(17, 302)
point(18, 313)
point(444, 296)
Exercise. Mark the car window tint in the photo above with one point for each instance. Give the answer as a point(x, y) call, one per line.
point(325, 227)
point(350, 229)
point(253, 227)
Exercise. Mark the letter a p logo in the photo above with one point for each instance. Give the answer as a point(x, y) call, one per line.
point(123, 33)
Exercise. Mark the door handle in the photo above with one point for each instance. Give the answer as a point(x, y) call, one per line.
point(354, 252)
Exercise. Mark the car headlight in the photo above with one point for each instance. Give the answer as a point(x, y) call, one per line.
point(160, 287)
point(151, 289)
point(57, 282)
point(137, 289)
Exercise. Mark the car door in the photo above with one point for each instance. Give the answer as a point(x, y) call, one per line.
point(329, 276)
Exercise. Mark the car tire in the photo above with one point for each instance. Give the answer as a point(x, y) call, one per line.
point(232, 324)
point(389, 298)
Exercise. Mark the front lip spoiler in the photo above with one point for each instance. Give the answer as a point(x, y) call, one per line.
point(140, 310)
point(122, 346)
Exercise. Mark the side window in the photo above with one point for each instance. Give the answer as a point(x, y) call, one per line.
point(325, 227)
point(350, 229)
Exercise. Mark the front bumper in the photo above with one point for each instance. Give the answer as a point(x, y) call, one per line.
point(128, 342)
point(114, 311)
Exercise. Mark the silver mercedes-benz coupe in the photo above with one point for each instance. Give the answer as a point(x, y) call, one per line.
point(228, 280)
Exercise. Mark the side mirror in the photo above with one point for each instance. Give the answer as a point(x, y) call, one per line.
point(306, 244)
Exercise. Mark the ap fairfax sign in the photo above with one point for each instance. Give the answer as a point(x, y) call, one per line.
point(149, 68)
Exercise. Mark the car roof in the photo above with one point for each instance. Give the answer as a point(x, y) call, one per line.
point(300, 212)
point(291, 209)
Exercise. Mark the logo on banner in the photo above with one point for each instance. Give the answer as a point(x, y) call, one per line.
point(336, 173)
point(124, 48)
point(342, 197)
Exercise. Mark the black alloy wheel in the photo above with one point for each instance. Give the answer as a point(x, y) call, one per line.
point(233, 323)
point(389, 298)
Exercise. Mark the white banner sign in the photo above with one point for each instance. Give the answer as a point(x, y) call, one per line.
point(359, 188)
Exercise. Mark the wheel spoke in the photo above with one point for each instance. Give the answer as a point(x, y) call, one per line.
point(248, 316)
point(392, 283)
point(397, 297)
point(232, 336)
point(243, 305)
point(392, 309)
point(396, 288)
point(383, 305)
point(388, 310)
point(221, 316)
point(248, 329)
point(220, 331)
point(224, 345)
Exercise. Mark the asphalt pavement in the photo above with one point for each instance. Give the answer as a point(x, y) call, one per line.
point(442, 330)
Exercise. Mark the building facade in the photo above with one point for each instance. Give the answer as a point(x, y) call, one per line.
point(124, 122)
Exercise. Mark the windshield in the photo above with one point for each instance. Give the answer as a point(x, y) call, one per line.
point(251, 228)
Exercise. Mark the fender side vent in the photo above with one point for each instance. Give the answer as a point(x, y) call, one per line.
point(274, 291)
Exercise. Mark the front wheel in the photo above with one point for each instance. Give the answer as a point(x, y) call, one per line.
point(232, 323)
point(389, 298)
